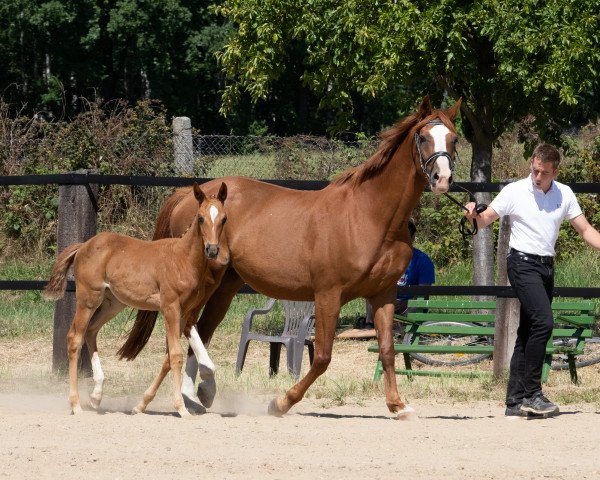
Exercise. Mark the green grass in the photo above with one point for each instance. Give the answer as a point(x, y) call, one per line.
point(26, 323)
point(581, 270)
point(25, 312)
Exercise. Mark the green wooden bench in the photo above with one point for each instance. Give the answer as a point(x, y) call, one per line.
point(459, 332)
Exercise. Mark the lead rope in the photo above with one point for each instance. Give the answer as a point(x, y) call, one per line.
point(465, 229)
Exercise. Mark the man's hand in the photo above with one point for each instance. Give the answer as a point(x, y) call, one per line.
point(471, 213)
point(484, 218)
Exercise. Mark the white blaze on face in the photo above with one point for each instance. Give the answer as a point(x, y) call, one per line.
point(214, 212)
point(439, 132)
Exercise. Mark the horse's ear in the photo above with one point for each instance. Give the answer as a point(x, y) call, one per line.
point(425, 107)
point(222, 195)
point(198, 193)
point(454, 109)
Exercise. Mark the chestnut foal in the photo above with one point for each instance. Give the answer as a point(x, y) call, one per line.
point(113, 271)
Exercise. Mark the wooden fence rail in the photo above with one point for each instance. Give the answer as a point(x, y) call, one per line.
point(78, 205)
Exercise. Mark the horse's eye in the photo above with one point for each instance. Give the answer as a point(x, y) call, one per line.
point(422, 138)
point(224, 220)
point(200, 220)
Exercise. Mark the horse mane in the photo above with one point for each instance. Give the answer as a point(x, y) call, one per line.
point(390, 141)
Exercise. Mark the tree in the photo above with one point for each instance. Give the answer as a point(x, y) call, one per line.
point(55, 51)
point(508, 59)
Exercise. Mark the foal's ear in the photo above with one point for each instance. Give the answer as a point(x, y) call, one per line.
point(454, 109)
point(425, 107)
point(222, 195)
point(198, 193)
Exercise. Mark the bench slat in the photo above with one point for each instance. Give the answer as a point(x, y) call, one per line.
point(577, 320)
point(451, 317)
point(451, 330)
point(438, 373)
point(462, 304)
point(467, 350)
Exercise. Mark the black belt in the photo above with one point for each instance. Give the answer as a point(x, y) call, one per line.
point(530, 256)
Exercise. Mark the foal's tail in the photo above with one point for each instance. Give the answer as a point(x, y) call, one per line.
point(57, 284)
point(140, 332)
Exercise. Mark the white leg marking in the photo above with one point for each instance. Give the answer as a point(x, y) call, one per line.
point(98, 376)
point(208, 388)
point(189, 378)
point(407, 414)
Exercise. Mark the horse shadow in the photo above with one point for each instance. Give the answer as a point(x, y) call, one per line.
point(125, 406)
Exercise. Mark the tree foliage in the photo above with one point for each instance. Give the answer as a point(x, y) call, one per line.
point(509, 60)
point(54, 51)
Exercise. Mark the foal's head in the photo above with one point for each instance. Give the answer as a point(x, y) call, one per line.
point(435, 142)
point(211, 218)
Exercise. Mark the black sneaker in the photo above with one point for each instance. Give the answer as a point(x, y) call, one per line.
point(515, 412)
point(539, 404)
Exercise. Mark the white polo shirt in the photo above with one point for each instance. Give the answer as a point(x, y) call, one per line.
point(535, 216)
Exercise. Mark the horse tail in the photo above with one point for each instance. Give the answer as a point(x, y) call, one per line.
point(138, 336)
point(140, 332)
point(163, 222)
point(56, 286)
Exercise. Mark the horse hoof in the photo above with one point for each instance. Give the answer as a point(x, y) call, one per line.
point(94, 402)
point(274, 409)
point(407, 414)
point(137, 410)
point(206, 394)
point(183, 413)
point(76, 409)
point(193, 405)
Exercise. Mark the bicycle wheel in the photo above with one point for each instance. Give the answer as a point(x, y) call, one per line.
point(450, 359)
point(590, 355)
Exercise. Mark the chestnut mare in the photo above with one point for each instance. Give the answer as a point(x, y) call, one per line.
point(112, 271)
point(346, 241)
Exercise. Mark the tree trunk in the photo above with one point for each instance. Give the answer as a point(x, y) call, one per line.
point(483, 242)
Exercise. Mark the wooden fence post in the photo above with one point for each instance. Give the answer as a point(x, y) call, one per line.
point(183, 145)
point(507, 309)
point(76, 223)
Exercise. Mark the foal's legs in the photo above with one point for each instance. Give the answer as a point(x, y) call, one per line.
point(108, 310)
point(150, 393)
point(327, 310)
point(208, 388)
point(88, 301)
point(213, 313)
point(174, 359)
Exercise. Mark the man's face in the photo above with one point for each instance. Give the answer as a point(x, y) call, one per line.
point(542, 173)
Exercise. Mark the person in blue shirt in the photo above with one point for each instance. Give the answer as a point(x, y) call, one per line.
point(420, 271)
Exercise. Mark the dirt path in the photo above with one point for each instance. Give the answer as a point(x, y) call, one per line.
point(237, 440)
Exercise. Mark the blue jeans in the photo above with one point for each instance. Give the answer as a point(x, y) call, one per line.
point(533, 282)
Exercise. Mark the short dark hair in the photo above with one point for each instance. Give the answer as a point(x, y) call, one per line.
point(547, 153)
point(412, 228)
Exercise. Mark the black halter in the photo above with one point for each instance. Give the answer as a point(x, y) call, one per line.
point(465, 229)
point(435, 155)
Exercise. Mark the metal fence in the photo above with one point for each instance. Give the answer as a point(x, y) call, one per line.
point(299, 157)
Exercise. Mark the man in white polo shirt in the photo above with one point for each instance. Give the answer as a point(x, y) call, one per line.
point(536, 206)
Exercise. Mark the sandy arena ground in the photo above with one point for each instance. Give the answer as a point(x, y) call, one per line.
point(235, 439)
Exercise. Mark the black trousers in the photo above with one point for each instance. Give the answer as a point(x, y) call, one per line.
point(533, 282)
